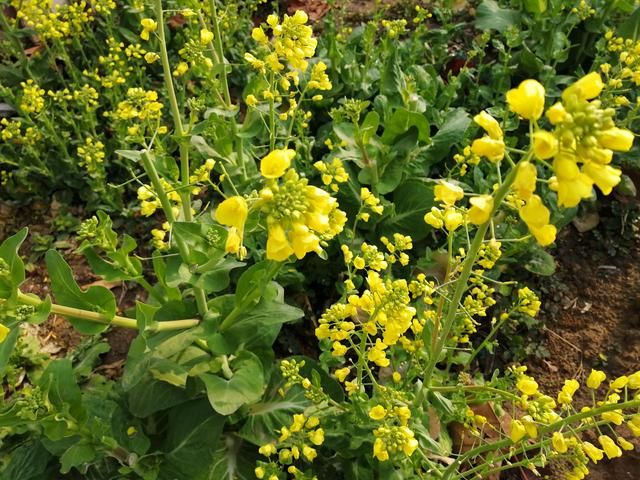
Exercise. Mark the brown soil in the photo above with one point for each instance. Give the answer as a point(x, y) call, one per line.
point(592, 320)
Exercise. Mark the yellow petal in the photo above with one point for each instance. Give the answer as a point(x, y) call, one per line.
point(489, 124)
point(276, 163)
point(545, 144)
point(618, 139)
point(586, 88)
point(481, 209)
point(527, 100)
point(233, 212)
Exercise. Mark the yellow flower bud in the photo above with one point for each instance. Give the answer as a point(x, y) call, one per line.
point(545, 144)
point(452, 219)
point(596, 377)
point(206, 36)
point(481, 209)
point(527, 385)
point(626, 445)
point(276, 163)
point(527, 100)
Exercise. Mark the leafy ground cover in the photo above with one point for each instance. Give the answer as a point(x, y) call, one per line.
point(311, 245)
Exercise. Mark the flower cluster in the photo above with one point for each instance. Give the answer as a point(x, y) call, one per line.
point(300, 217)
point(91, 154)
point(296, 442)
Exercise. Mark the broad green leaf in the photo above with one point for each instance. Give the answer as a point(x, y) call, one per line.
point(150, 396)
point(11, 265)
point(535, 6)
point(540, 262)
point(253, 281)
point(66, 291)
point(411, 203)
point(369, 126)
point(26, 462)
point(244, 387)
point(490, 16)
point(235, 459)
point(401, 121)
point(451, 133)
point(192, 437)
point(59, 384)
point(76, 456)
point(631, 27)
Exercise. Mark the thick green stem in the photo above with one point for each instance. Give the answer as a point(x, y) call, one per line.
point(183, 144)
point(100, 318)
point(201, 299)
point(461, 285)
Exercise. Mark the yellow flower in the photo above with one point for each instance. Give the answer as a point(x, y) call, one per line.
point(316, 437)
point(545, 144)
point(586, 88)
point(259, 36)
point(619, 139)
point(206, 36)
point(610, 448)
point(525, 182)
point(634, 381)
point(559, 442)
point(619, 383)
point(488, 147)
point(309, 453)
point(596, 377)
point(232, 212)
point(452, 219)
point(489, 124)
point(571, 184)
point(613, 417)
point(604, 176)
point(527, 385)
point(342, 373)
point(378, 412)
point(481, 209)
point(259, 472)
point(267, 450)
point(251, 100)
point(380, 450)
point(517, 431)
point(434, 218)
point(527, 100)
point(276, 163)
point(4, 331)
point(448, 193)
point(556, 113)
point(148, 26)
point(233, 244)
point(626, 445)
point(537, 216)
point(594, 453)
point(151, 57)
point(278, 247)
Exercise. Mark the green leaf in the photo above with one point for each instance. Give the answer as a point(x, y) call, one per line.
point(59, 384)
point(75, 456)
point(192, 438)
point(490, 16)
point(535, 6)
point(245, 386)
point(6, 347)
point(631, 27)
point(451, 133)
point(11, 279)
point(130, 154)
point(369, 126)
point(253, 281)
point(412, 201)
point(234, 460)
point(27, 462)
point(540, 262)
point(66, 291)
point(401, 121)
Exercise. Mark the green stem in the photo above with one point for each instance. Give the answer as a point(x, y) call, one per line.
point(106, 319)
point(183, 144)
point(201, 299)
point(452, 469)
point(461, 285)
